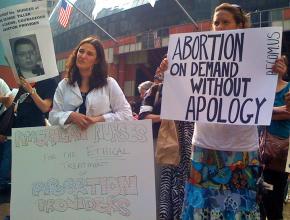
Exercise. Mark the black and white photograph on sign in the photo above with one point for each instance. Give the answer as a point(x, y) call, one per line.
point(26, 56)
point(26, 38)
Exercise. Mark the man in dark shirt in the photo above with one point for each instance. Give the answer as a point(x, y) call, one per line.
point(28, 113)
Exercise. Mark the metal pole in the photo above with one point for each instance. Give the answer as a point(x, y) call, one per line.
point(188, 15)
point(90, 19)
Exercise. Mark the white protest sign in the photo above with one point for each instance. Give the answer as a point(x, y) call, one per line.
point(222, 77)
point(105, 172)
point(287, 168)
point(27, 40)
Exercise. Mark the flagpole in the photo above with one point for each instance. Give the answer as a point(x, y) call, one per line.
point(90, 19)
point(188, 15)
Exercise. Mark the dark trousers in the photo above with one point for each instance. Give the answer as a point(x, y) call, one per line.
point(272, 201)
point(5, 162)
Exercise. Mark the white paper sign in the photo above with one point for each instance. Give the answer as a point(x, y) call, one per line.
point(27, 40)
point(222, 77)
point(106, 172)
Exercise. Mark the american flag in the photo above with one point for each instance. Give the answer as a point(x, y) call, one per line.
point(64, 13)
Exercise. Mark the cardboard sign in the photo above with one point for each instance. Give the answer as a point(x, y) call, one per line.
point(105, 172)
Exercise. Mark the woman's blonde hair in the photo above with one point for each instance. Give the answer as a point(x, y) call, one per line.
point(238, 13)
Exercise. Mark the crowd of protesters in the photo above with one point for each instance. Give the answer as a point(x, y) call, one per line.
point(220, 165)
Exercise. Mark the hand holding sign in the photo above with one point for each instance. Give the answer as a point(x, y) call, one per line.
point(81, 120)
point(163, 65)
point(280, 66)
point(26, 85)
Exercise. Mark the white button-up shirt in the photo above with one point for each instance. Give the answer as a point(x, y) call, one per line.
point(108, 101)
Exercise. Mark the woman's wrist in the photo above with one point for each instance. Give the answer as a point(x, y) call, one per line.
point(99, 119)
point(70, 118)
point(32, 91)
point(280, 110)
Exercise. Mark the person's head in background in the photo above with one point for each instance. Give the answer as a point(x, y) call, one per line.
point(143, 88)
point(88, 63)
point(26, 56)
point(229, 17)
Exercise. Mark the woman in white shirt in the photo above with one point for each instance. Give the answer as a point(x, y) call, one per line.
point(88, 95)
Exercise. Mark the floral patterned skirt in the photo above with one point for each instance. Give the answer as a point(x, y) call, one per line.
point(222, 186)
